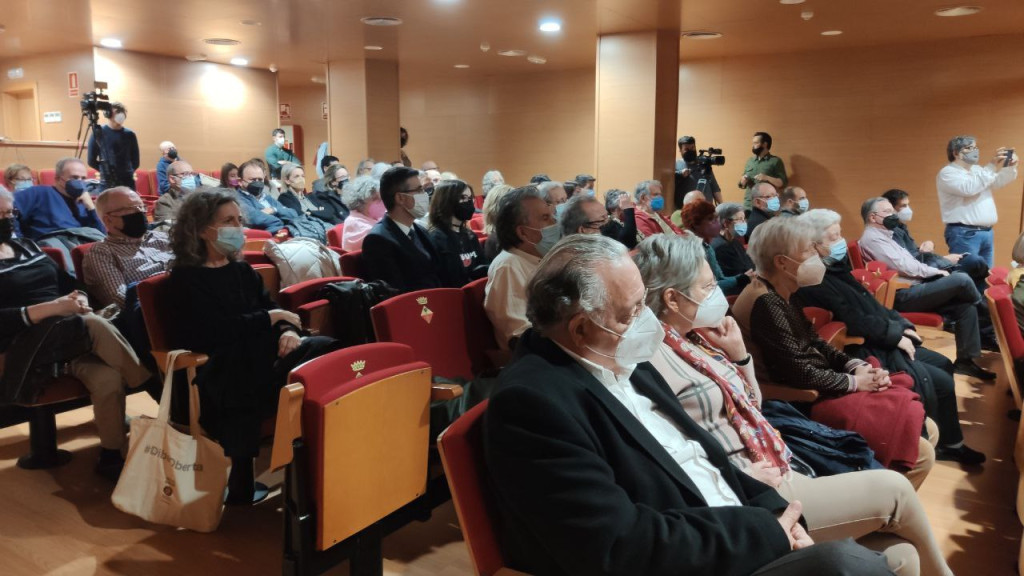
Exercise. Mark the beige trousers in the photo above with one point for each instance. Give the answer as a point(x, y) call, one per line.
point(105, 372)
point(925, 455)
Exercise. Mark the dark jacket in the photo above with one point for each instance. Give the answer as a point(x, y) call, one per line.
point(332, 209)
point(624, 231)
point(755, 219)
point(391, 256)
point(255, 218)
point(461, 256)
point(732, 256)
point(583, 488)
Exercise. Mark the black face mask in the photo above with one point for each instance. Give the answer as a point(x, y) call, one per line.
point(172, 153)
point(690, 156)
point(464, 210)
point(757, 150)
point(255, 188)
point(134, 225)
point(891, 221)
point(6, 230)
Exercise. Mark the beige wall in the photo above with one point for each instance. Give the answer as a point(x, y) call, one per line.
point(213, 113)
point(853, 123)
point(519, 124)
point(306, 102)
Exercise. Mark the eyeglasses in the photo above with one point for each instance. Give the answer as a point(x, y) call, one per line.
point(413, 190)
point(186, 175)
point(595, 224)
point(13, 213)
point(129, 210)
point(971, 147)
point(29, 179)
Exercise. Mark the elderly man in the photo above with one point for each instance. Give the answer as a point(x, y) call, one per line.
point(554, 194)
point(621, 224)
point(965, 195)
point(430, 165)
point(182, 180)
point(931, 289)
point(168, 155)
point(729, 249)
point(766, 205)
point(526, 229)
point(491, 179)
point(595, 466)
point(793, 202)
point(583, 215)
point(130, 253)
point(585, 183)
point(651, 201)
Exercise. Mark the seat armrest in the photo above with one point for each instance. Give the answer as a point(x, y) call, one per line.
point(787, 394)
point(440, 391)
point(187, 360)
point(316, 317)
point(289, 425)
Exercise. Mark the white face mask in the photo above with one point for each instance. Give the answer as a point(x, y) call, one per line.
point(119, 118)
point(638, 343)
point(422, 205)
point(810, 273)
point(905, 214)
point(279, 141)
point(709, 312)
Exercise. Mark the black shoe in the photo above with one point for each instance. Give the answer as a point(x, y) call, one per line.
point(963, 455)
point(110, 464)
point(258, 494)
point(990, 344)
point(970, 368)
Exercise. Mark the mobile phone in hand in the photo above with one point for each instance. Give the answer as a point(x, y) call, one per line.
point(1009, 157)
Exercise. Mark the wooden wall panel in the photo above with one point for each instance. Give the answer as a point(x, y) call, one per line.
point(853, 123)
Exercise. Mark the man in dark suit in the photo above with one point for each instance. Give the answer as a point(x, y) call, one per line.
point(397, 250)
point(595, 466)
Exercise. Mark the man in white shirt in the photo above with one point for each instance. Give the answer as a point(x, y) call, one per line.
point(526, 230)
point(965, 195)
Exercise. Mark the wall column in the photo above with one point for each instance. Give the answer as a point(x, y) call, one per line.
point(362, 96)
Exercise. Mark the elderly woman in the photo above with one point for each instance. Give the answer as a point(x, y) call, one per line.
point(852, 394)
point(712, 376)
point(462, 256)
point(490, 210)
point(225, 312)
point(332, 208)
point(38, 302)
point(730, 249)
point(18, 177)
point(700, 218)
point(362, 196)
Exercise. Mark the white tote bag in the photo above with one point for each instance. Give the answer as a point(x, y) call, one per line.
point(172, 477)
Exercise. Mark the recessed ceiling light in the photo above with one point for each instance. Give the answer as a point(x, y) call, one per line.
point(699, 35)
point(958, 11)
point(462, 66)
point(374, 48)
point(111, 43)
point(196, 57)
point(792, 1)
point(238, 61)
point(251, 23)
point(222, 41)
point(550, 25)
point(513, 53)
point(537, 59)
point(381, 21)
point(831, 32)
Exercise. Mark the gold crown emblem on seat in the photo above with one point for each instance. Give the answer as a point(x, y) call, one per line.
point(358, 365)
point(422, 300)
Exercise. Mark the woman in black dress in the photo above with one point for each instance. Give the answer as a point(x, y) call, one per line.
point(462, 257)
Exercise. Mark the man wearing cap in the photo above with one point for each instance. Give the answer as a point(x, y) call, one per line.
point(585, 184)
point(689, 174)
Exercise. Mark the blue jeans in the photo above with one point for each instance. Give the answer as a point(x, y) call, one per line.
point(963, 240)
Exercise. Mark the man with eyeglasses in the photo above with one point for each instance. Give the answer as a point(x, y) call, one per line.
point(398, 250)
point(181, 180)
point(583, 215)
point(965, 195)
point(766, 205)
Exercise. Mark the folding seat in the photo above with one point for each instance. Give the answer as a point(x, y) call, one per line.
point(1008, 334)
point(47, 177)
point(334, 235)
point(57, 256)
point(834, 333)
point(143, 184)
point(352, 264)
point(302, 298)
point(476, 223)
point(484, 354)
point(856, 258)
point(997, 275)
point(78, 257)
point(432, 322)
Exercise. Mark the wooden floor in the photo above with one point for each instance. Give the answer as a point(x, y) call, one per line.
point(61, 522)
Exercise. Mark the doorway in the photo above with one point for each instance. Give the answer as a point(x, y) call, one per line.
point(21, 114)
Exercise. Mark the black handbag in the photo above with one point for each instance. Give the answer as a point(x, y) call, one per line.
point(39, 354)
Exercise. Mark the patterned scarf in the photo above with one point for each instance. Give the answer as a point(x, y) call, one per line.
point(761, 440)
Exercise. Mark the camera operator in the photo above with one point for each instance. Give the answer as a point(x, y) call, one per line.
point(690, 172)
point(119, 151)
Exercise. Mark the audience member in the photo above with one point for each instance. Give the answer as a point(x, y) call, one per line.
point(459, 252)
point(321, 184)
point(788, 352)
point(379, 169)
point(260, 210)
point(429, 165)
point(711, 374)
point(168, 155)
point(428, 180)
point(491, 179)
point(651, 202)
point(447, 175)
point(397, 250)
point(538, 178)
point(766, 205)
point(403, 139)
point(730, 250)
point(332, 209)
point(181, 180)
point(118, 157)
point(1013, 279)
point(965, 195)
point(793, 202)
point(277, 155)
point(583, 214)
point(294, 196)
point(433, 175)
point(762, 167)
point(571, 188)
point(604, 473)
point(585, 182)
point(35, 296)
point(362, 196)
point(526, 229)
point(554, 194)
point(700, 218)
point(621, 225)
point(888, 336)
point(490, 210)
point(365, 167)
point(226, 313)
point(691, 197)
point(689, 174)
point(129, 254)
point(18, 177)
point(931, 289)
point(229, 176)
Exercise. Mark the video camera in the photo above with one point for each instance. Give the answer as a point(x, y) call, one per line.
point(95, 102)
point(711, 157)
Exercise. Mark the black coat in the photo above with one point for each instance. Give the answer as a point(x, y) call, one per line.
point(390, 255)
point(461, 256)
point(583, 488)
point(332, 209)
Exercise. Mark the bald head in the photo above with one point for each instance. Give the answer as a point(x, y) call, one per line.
point(114, 199)
point(178, 168)
point(429, 165)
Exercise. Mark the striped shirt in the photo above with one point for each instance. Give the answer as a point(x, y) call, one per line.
point(110, 266)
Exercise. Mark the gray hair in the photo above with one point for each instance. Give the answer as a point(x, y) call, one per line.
point(287, 168)
point(545, 189)
point(611, 199)
point(774, 237)
point(668, 261)
point(512, 214)
point(573, 217)
point(643, 189)
point(379, 169)
point(490, 207)
point(692, 196)
point(358, 192)
point(567, 282)
point(63, 163)
point(492, 178)
point(820, 219)
point(958, 143)
point(758, 188)
point(5, 194)
point(728, 210)
point(869, 206)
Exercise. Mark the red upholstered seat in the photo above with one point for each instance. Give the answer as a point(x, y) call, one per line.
point(1011, 342)
point(255, 257)
point(143, 184)
point(47, 177)
point(334, 235)
point(476, 223)
point(154, 295)
point(305, 292)
point(478, 201)
point(876, 266)
point(253, 233)
point(433, 323)
point(479, 330)
point(78, 257)
point(998, 275)
point(352, 264)
point(853, 249)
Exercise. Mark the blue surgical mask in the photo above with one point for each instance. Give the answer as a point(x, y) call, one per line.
point(74, 188)
point(772, 204)
point(658, 203)
point(591, 193)
point(230, 239)
point(560, 209)
point(549, 236)
point(190, 184)
point(22, 184)
point(740, 228)
point(803, 204)
point(837, 251)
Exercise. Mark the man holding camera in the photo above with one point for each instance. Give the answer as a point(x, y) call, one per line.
point(762, 167)
point(690, 173)
point(116, 155)
point(965, 195)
